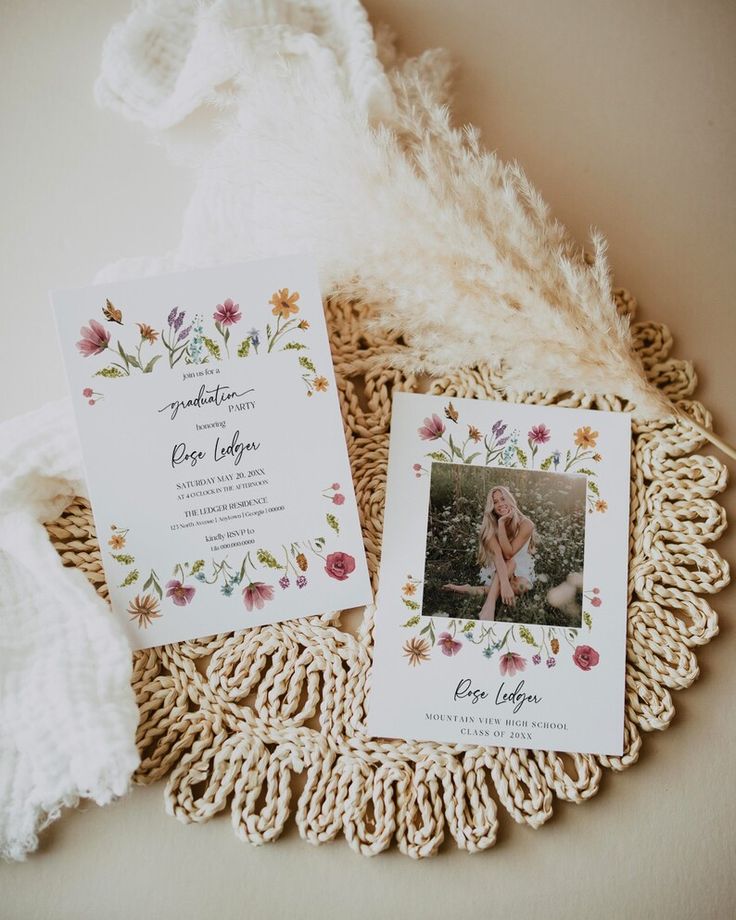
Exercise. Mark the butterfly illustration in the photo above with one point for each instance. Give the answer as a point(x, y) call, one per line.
point(112, 314)
point(451, 412)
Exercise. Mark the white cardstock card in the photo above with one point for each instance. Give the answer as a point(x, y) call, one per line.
point(501, 614)
point(214, 449)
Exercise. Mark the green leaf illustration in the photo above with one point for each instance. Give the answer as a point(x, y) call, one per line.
point(428, 630)
point(197, 566)
point(244, 348)
point(588, 620)
point(412, 605)
point(333, 522)
point(472, 457)
point(307, 363)
point(522, 456)
point(593, 488)
point(438, 455)
point(149, 367)
point(212, 347)
point(526, 635)
point(109, 372)
point(123, 558)
point(455, 450)
point(587, 472)
point(129, 579)
point(266, 558)
point(412, 621)
point(546, 464)
point(293, 346)
point(152, 582)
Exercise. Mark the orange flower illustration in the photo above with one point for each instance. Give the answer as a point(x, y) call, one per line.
point(586, 438)
point(473, 433)
point(303, 324)
point(284, 303)
point(417, 651)
point(116, 541)
point(320, 384)
point(147, 332)
point(144, 609)
point(601, 505)
point(409, 588)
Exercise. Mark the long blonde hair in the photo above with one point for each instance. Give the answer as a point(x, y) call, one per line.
point(489, 525)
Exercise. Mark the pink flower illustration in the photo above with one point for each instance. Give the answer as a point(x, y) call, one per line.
point(537, 659)
point(87, 392)
point(95, 339)
point(432, 429)
point(585, 657)
point(335, 485)
point(180, 594)
point(596, 590)
point(448, 645)
point(338, 498)
point(339, 565)
point(417, 467)
point(539, 434)
point(256, 594)
point(596, 601)
point(511, 663)
point(227, 313)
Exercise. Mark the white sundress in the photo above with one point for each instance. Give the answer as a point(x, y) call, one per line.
point(524, 567)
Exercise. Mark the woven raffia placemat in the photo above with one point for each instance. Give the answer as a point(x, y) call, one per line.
point(231, 719)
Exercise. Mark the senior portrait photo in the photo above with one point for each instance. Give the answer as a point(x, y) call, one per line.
point(505, 544)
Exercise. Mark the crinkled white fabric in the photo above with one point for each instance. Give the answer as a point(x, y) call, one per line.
point(67, 712)
point(254, 96)
point(172, 56)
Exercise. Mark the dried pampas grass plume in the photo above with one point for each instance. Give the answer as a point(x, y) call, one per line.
point(532, 302)
point(330, 143)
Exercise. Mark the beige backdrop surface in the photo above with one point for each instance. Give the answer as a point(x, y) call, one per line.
point(622, 114)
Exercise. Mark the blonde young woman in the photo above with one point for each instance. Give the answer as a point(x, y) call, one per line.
point(505, 546)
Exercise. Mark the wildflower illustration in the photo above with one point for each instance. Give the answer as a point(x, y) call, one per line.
point(143, 609)
point(501, 447)
point(256, 594)
point(186, 338)
point(417, 651)
point(226, 314)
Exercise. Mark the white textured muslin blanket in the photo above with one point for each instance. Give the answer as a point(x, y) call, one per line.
point(67, 712)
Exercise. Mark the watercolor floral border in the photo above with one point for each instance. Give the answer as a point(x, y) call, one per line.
point(190, 342)
point(252, 575)
point(500, 447)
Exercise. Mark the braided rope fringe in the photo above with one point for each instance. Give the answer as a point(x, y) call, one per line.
point(247, 720)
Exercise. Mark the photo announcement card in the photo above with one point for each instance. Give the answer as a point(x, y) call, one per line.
point(214, 449)
point(501, 613)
